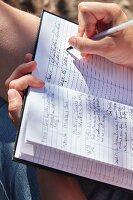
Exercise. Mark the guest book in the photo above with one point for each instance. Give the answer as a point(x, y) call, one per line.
point(81, 122)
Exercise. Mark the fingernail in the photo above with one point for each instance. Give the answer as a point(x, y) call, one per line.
point(41, 82)
point(11, 95)
point(73, 42)
point(88, 56)
point(31, 62)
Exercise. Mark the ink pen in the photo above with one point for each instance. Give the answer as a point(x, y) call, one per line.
point(109, 31)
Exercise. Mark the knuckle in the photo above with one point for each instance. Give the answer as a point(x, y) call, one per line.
point(14, 106)
point(117, 9)
point(115, 6)
point(81, 6)
point(107, 46)
point(80, 28)
point(83, 46)
point(80, 46)
point(12, 84)
point(30, 79)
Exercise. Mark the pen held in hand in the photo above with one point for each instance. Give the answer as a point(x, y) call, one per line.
point(109, 31)
point(69, 48)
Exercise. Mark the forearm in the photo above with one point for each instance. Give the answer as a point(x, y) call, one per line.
point(18, 31)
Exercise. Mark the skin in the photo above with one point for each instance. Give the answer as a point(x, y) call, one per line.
point(17, 37)
point(18, 32)
point(117, 48)
point(94, 17)
point(19, 80)
point(52, 185)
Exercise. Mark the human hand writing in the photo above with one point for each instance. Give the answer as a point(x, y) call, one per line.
point(17, 83)
point(94, 17)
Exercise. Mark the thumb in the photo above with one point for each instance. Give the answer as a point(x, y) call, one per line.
point(14, 105)
point(89, 46)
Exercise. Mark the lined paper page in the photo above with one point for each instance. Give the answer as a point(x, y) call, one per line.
point(76, 114)
point(21, 139)
point(97, 76)
point(81, 124)
point(61, 160)
point(70, 117)
point(74, 164)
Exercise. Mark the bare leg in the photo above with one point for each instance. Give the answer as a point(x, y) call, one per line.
point(59, 187)
point(18, 31)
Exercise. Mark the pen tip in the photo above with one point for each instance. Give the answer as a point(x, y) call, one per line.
point(69, 48)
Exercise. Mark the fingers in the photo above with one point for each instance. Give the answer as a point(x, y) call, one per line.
point(19, 80)
point(22, 83)
point(87, 23)
point(16, 88)
point(87, 46)
point(92, 14)
point(20, 71)
point(14, 105)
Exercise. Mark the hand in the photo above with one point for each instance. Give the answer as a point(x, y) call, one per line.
point(94, 17)
point(16, 84)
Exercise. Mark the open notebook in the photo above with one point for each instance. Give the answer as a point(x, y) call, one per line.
point(82, 121)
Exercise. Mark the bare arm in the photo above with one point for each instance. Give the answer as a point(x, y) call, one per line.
point(18, 32)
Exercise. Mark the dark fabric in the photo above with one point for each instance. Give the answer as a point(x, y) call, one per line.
point(98, 191)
